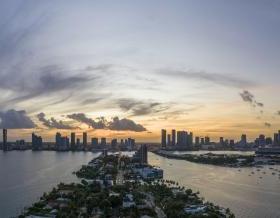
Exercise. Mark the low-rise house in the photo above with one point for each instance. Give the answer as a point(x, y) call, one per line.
point(128, 201)
point(195, 209)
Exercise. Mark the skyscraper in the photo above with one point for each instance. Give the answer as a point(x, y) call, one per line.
point(190, 139)
point(73, 140)
point(57, 140)
point(103, 142)
point(163, 138)
point(276, 139)
point(114, 143)
point(243, 141)
point(168, 139)
point(221, 141)
point(37, 142)
point(182, 138)
point(196, 141)
point(5, 145)
point(173, 137)
point(207, 140)
point(143, 154)
point(84, 139)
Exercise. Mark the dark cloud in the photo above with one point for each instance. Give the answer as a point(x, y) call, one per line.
point(13, 119)
point(267, 124)
point(138, 108)
point(250, 98)
point(52, 122)
point(219, 79)
point(278, 113)
point(101, 123)
point(247, 96)
point(81, 117)
point(52, 79)
point(125, 124)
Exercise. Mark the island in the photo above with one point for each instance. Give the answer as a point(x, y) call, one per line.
point(121, 186)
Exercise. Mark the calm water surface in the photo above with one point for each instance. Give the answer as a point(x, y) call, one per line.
point(247, 194)
point(25, 175)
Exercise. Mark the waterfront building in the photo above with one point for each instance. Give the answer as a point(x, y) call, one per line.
point(222, 141)
point(114, 143)
point(207, 140)
point(196, 141)
point(168, 139)
point(163, 138)
point(73, 140)
point(37, 142)
point(61, 143)
point(5, 136)
point(261, 140)
point(143, 154)
point(243, 140)
point(84, 139)
point(78, 143)
point(103, 142)
point(57, 140)
point(276, 139)
point(268, 141)
point(190, 139)
point(279, 137)
point(182, 138)
point(202, 141)
point(173, 137)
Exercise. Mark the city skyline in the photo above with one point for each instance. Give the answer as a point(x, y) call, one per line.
point(128, 70)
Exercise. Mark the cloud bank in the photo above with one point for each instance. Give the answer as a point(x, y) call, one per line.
point(13, 119)
point(115, 124)
point(52, 122)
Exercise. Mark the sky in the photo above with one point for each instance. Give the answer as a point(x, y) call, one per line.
point(130, 68)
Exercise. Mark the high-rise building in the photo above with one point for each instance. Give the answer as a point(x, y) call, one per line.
point(84, 139)
point(143, 154)
point(37, 142)
point(243, 141)
point(221, 141)
point(276, 139)
point(73, 140)
point(190, 139)
point(173, 137)
point(231, 143)
point(114, 143)
point(94, 142)
point(268, 141)
point(5, 136)
point(57, 140)
point(78, 143)
point(182, 138)
point(196, 141)
point(207, 140)
point(261, 140)
point(202, 141)
point(163, 138)
point(103, 142)
point(168, 139)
